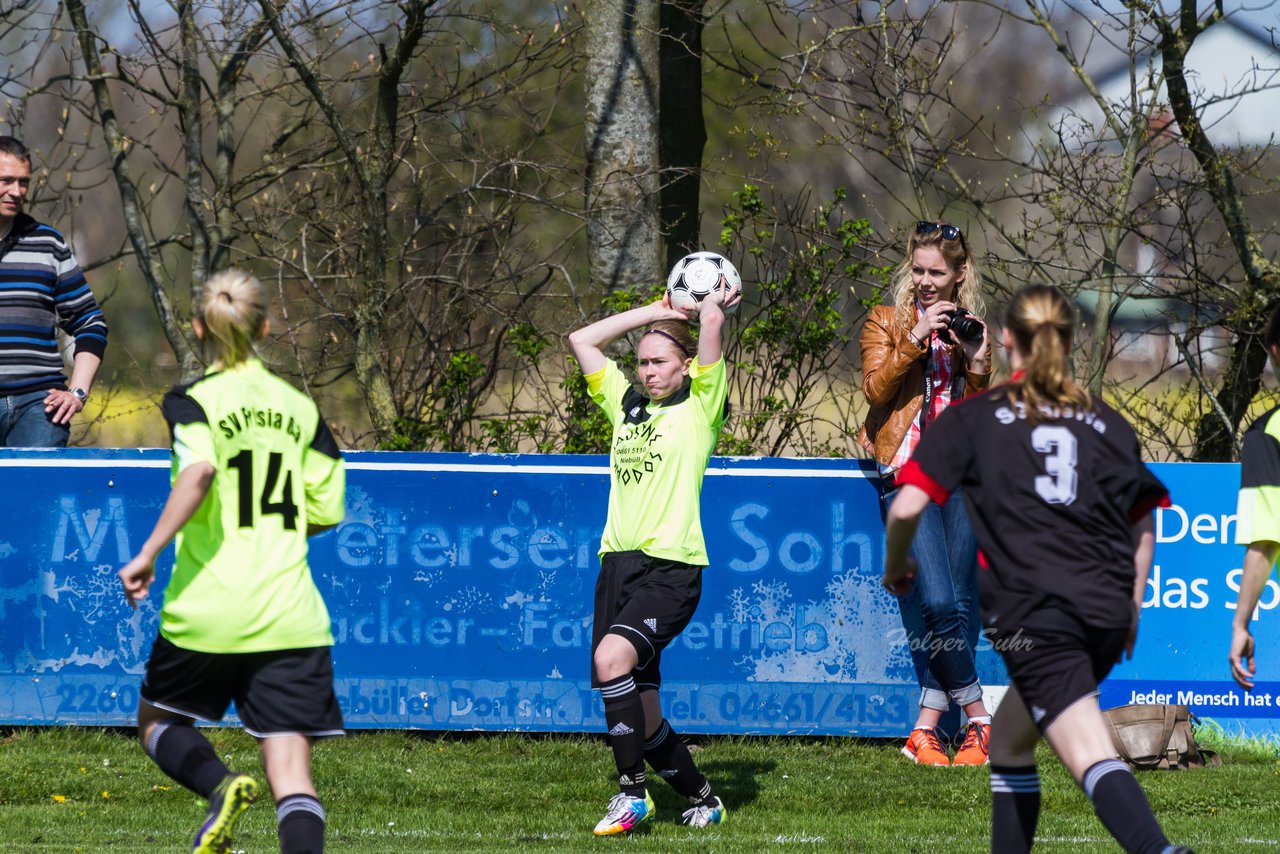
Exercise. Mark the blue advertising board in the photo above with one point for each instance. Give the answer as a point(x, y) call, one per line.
point(1185, 630)
point(460, 589)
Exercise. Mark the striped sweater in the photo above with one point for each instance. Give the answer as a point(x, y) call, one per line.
point(42, 289)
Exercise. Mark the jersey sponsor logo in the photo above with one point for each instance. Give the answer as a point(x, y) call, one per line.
point(621, 728)
point(651, 623)
point(633, 456)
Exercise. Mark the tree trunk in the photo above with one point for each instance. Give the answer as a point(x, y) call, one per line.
point(624, 242)
point(682, 132)
point(1216, 437)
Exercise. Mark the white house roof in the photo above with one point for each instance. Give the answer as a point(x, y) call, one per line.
point(1234, 74)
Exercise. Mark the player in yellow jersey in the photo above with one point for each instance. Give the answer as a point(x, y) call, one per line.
point(255, 471)
point(652, 551)
point(1258, 515)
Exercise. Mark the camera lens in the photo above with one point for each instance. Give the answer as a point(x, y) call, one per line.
point(964, 325)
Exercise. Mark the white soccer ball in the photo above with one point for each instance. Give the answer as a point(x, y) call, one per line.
point(698, 274)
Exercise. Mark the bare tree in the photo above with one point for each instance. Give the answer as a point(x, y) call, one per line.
point(1085, 197)
point(433, 180)
point(398, 170)
point(369, 166)
point(1216, 430)
point(184, 95)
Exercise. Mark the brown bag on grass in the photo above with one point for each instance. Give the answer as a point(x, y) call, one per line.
point(1157, 736)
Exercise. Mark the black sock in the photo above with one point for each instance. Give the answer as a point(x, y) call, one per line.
point(670, 757)
point(1015, 808)
point(300, 819)
point(186, 756)
point(1123, 808)
point(624, 715)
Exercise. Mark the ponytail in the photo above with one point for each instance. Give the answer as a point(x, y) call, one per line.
point(1041, 321)
point(233, 307)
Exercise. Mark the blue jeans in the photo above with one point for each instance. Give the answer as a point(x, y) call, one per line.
point(940, 614)
point(25, 424)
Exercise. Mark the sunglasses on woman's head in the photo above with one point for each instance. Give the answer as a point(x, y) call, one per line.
point(949, 231)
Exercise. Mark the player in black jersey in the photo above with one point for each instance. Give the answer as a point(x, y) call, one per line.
point(1061, 505)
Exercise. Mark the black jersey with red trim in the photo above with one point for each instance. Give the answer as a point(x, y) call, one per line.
point(1051, 503)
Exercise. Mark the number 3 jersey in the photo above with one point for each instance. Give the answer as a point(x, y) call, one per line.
point(1051, 503)
point(657, 458)
point(240, 581)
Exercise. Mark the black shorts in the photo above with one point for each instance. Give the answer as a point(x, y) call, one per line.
point(646, 600)
point(281, 692)
point(1055, 659)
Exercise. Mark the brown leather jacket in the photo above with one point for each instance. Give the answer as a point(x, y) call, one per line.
point(893, 381)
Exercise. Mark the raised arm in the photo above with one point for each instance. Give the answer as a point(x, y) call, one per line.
point(710, 332)
point(711, 325)
point(588, 343)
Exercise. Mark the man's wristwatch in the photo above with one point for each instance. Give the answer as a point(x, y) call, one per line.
point(79, 393)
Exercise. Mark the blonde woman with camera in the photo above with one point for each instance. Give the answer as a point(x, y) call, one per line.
point(924, 350)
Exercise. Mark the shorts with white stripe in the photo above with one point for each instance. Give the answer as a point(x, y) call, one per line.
point(646, 600)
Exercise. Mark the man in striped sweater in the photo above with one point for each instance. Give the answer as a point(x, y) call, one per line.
point(42, 290)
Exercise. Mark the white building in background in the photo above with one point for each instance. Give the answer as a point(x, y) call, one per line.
point(1233, 70)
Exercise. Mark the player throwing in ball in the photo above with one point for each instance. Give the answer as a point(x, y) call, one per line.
point(652, 552)
point(1061, 505)
point(255, 471)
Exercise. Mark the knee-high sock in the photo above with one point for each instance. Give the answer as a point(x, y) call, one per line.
point(624, 715)
point(300, 819)
point(1122, 807)
point(670, 757)
point(1015, 808)
point(186, 756)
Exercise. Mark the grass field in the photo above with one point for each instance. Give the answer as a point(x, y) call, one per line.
point(91, 790)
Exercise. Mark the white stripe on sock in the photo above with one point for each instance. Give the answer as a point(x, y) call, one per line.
point(1099, 770)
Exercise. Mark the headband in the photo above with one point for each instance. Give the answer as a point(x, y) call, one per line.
point(669, 337)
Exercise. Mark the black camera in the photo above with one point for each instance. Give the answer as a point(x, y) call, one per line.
point(963, 324)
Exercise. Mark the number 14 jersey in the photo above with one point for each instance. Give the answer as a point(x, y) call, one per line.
point(241, 582)
point(1051, 502)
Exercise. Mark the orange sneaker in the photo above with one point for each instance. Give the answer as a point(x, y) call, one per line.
point(923, 748)
point(973, 750)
